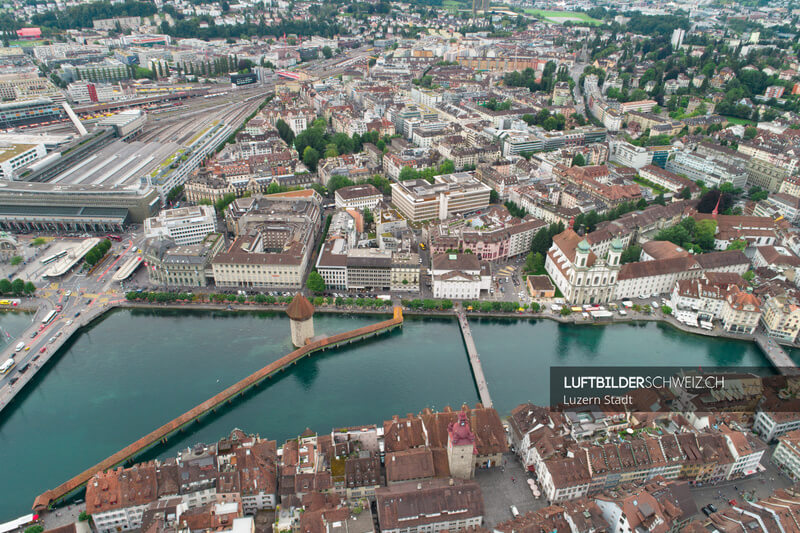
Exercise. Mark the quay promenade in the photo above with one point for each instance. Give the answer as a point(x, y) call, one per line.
point(162, 434)
point(474, 360)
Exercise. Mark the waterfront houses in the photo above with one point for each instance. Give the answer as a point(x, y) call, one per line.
point(275, 236)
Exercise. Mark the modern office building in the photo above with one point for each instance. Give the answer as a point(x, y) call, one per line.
point(184, 225)
point(449, 194)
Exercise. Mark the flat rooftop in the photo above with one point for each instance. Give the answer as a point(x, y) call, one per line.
point(10, 151)
point(120, 165)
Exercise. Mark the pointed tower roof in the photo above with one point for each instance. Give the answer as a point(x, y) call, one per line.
point(300, 308)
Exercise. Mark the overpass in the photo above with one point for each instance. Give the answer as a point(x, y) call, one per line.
point(163, 433)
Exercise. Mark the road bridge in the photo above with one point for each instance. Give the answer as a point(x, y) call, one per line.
point(777, 356)
point(474, 360)
point(163, 433)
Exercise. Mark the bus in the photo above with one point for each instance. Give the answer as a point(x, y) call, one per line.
point(49, 318)
point(114, 237)
point(8, 365)
point(54, 257)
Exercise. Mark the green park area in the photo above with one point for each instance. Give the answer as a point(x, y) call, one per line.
point(737, 120)
point(562, 16)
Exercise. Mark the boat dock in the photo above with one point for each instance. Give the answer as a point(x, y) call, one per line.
point(163, 433)
point(474, 360)
point(777, 356)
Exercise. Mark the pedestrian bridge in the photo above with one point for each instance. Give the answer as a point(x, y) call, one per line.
point(162, 434)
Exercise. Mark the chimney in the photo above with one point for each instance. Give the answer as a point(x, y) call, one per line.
point(419, 486)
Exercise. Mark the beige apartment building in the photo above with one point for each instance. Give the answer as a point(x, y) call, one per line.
point(781, 318)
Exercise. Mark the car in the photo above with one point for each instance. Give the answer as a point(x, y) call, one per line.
point(654, 304)
point(44, 349)
point(13, 380)
point(33, 335)
point(27, 348)
point(52, 340)
point(78, 313)
point(68, 293)
point(59, 308)
point(69, 322)
point(712, 508)
point(514, 511)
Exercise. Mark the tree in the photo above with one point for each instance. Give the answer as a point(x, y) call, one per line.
point(578, 160)
point(17, 286)
point(29, 288)
point(704, 234)
point(565, 311)
point(685, 193)
point(315, 283)
point(493, 197)
point(407, 173)
point(16, 260)
point(337, 182)
point(738, 244)
point(84, 516)
point(667, 310)
point(447, 167)
point(327, 52)
point(631, 254)
point(38, 241)
point(368, 217)
point(750, 132)
point(757, 194)
point(34, 529)
point(310, 158)
point(5, 286)
point(748, 276)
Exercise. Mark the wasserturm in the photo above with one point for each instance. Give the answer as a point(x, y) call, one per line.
point(163, 433)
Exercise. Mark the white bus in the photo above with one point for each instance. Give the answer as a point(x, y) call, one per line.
point(49, 318)
point(8, 365)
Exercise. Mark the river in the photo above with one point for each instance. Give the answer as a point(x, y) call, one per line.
point(134, 370)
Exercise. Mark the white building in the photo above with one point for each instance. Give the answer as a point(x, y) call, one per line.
point(458, 276)
point(741, 312)
point(17, 156)
point(184, 225)
point(579, 273)
point(787, 455)
point(358, 197)
point(628, 155)
point(771, 425)
point(747, 452)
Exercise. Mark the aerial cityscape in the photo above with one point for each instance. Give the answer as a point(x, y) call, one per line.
point(372, 266)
